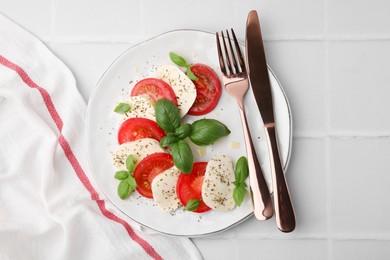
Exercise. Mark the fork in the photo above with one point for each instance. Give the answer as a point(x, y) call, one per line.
point(235, 79)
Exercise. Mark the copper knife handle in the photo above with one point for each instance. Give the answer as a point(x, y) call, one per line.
point(262, 202)
point(284, 211)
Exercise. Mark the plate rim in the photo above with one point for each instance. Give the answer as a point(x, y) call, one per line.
point(87, 127)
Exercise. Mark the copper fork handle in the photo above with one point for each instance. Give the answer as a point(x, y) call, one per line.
point(284, 211)
point(262, 202)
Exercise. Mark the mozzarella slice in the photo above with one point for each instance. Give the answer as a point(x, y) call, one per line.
point(164, 189)
point(140, 106)
point(183, 87)
point(139, 149)
point(217, 188)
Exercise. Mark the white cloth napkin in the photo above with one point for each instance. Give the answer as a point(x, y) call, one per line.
point(50, 207)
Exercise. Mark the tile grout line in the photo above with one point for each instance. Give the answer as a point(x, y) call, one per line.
point(96, 40)
point(275, 237)
point(142, 36)
point(355, 237)
point(340, 136)
point(236, 248)
point(329, 198)
point(330, 38)
point(337, 237)
point(327, 125)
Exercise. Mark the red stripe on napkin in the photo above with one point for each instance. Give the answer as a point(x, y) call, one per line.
point(73, 160)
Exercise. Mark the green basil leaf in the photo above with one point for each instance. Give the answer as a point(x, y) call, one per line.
point(121, 175)
point(239, 194)
point(124, 189)
point(182, 156)
point(192, 205)
point(130, 165)
point(122, 108)
point(183, 131)
point(190, 74)
point(241, 171)
point(207, 131)
point(167, 115)
point(168, 140)
point(236, 183)
point(133, 184)
point(178, 60)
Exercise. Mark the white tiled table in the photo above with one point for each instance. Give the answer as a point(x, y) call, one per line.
point(333, 59)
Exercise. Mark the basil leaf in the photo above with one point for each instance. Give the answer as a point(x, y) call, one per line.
point(178, 60)
point(190, 74)
point(239, 194)
point(183, 131)
point(133, 184)
point(241, 171)
point(168, 140)
point(192, 205)
point(167, 115)
point(130, 163)
point(182, 156)
point(207, 131)
point(122, 108)
point(121, 175)
point(238, 183)
point(124, 189)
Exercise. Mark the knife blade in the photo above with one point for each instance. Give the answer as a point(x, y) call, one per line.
point(258, 75)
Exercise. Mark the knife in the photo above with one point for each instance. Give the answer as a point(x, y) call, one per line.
point(259, 79)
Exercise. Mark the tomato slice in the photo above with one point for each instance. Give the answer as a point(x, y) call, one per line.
point(148, 168)
point(189, 186)
point(208, 90)
point(155, 88)
point(136, 128)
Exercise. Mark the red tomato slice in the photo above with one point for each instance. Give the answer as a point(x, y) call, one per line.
point(208, 90)
point(137, 128)
point(148, 168)
point(189, 186)
point(155, 88)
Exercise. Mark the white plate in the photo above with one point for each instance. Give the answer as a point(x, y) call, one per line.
point(102, 123)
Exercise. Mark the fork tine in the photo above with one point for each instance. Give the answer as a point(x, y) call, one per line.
point(220, 55)
point(229, 65)
point(232, 53)
point(238, 50)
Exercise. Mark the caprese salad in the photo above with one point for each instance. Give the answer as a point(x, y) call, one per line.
point(154, 157)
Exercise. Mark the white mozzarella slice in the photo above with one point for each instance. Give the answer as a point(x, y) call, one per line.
point(140, 106)
point(217, 188)
point(139, 149)
point(183, 87)
point(164, 189)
